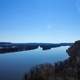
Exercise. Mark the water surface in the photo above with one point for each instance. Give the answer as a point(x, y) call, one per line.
point(13, 66)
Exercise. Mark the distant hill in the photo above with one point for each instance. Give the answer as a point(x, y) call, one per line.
point(5, 43)
point(14, 47)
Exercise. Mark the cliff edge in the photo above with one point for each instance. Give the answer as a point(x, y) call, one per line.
point(68, 69)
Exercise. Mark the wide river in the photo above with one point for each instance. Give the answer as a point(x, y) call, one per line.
point(13, 66)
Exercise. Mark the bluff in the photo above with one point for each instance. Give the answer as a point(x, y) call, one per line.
point(68, 69)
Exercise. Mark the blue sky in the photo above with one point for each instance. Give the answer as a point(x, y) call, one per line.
point(39, 20)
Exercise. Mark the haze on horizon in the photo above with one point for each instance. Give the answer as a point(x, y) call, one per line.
point(39, 20)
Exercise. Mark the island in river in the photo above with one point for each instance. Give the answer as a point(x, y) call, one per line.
point(6, 47)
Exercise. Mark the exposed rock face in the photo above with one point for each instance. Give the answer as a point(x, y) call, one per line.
point(69, 69)
point(74, 50)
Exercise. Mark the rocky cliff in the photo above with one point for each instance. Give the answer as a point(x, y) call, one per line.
point(68, 69)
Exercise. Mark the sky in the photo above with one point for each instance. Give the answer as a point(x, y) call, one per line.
point(46, 21)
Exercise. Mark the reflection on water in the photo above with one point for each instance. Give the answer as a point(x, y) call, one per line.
point(13, 66)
